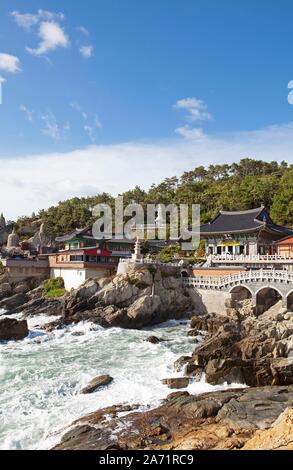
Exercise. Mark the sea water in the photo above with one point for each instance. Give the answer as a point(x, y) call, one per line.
point(42, 375)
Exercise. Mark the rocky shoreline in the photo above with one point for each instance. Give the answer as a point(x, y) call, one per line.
point(142, 297)
point(239, 347)
point(252, 418)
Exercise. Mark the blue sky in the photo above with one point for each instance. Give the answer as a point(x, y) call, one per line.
point(132, 91)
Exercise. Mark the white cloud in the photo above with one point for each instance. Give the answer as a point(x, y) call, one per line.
point(52, 36)
point(9, 63)
point(28, 113)
point(2, 79)
point(86, 51)
point(28, 20)
point(195, 108)
point(116, 168)
point(190, 133)
point(25, 20)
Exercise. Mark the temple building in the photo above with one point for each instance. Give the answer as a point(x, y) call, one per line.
point(247, 233)
point(81, 256)
point(284, 247)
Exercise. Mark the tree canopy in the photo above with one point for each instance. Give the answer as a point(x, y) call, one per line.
point(239, 186)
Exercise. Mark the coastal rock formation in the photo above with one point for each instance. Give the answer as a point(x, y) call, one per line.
point(10, 304)
point(12, 329)
point(176, 382)
point(97, 383)
point(41, 306)
point(27, 297)
point(278, 437)
point(244, 349)
point(139, 298)
point(15, 294)
point(229, 419)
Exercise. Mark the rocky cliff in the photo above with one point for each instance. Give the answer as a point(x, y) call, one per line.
point(241, 347)
point(139, 298)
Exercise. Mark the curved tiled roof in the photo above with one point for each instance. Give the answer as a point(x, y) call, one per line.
point(71, 236)
point(242, 222)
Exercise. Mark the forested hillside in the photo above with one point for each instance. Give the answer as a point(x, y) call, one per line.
point(240, 186)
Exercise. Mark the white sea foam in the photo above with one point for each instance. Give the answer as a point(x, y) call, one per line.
point(42, 375)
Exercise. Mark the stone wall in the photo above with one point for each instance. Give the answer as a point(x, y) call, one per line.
point(209, 301)
point(19, 270)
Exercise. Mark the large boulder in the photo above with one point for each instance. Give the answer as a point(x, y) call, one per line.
point(153, 340)
point(97, 383)
point(87, 289)
point(11, 303)
point(219, 346)
point(142, 310)
point(176, 382)
point(12, 329)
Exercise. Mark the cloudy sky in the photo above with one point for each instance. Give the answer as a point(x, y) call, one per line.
point(102, 95)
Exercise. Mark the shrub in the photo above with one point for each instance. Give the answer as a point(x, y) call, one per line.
point(54, 288)
point(166, 255)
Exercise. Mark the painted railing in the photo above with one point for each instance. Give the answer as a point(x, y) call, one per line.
point(247, 276)
point(251, 258)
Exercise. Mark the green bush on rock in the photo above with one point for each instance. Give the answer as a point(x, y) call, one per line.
point(54, 288)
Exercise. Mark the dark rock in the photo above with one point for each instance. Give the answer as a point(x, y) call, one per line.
point(176, 382)
point(180, 363)
point(41, 306)
point(96, 383)
point(77, 432)
point(154, 340)
point(217, 347)
point(193, 332)
point(219, 371)
point(12, 329)
point(10, 304)
point(78, 333)
point(193, 370)
point(176, 395)
point(209, 322)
